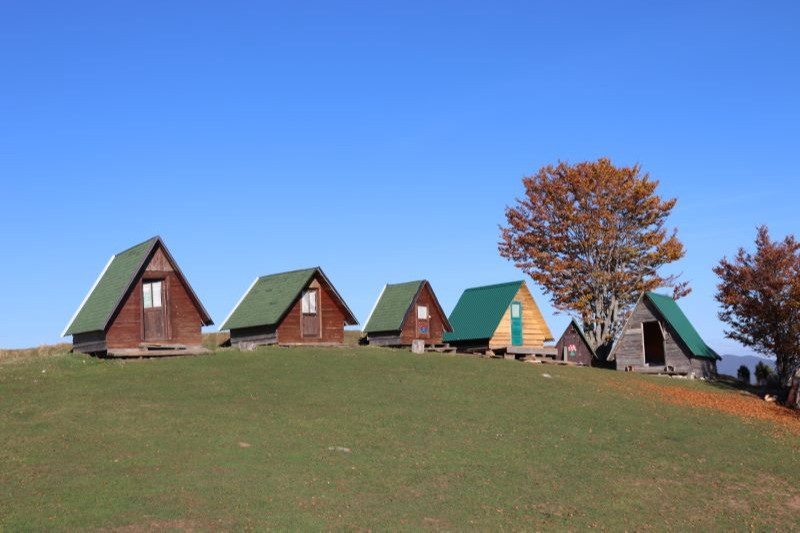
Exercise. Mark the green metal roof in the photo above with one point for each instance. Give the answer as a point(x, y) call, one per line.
point(479, 311)
point(110, 287)
point(270, 297)
point(674, 316)
point(392, 306)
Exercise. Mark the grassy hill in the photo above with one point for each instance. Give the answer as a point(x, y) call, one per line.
point(363, 438)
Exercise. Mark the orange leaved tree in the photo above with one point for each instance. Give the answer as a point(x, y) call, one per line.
point(593, 236)
point(760, 299)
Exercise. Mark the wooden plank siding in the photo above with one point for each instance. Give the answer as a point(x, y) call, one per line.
point(629, 352)
point(436, 320)
point(332, 318)
point(583, 356)
point(91, 342)
point(534, 329)
point(183, 319)
point(259, 335)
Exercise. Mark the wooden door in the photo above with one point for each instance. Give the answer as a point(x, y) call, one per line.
point(154, 311)
point(423, 322)
point(516, 324)
point(310, 307)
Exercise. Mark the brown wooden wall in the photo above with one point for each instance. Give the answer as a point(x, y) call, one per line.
point(409, 330)
point(629, 351)
point(183, 318)
point(583, 355)
point(332, 319)
point(261, 335)
point(534, 329)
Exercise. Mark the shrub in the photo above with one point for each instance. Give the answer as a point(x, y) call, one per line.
point(743, 374)
point(763, 371)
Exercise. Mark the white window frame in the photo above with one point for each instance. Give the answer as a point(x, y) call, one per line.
point(149, 293)
point(422, 312)
point(309, 302)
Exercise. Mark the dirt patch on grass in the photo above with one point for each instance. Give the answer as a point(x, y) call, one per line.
point(742, 405)
point(164, 525)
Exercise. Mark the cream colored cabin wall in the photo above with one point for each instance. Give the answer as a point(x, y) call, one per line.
point(534, 329)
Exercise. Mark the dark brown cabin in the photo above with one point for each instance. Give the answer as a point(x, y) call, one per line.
point(290, 308)
point(405, 312)
point(573, 347)
point(141, 305)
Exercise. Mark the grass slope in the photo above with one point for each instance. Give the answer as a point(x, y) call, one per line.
point(243, 440)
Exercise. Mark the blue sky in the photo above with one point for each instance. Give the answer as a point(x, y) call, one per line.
point(380, 140)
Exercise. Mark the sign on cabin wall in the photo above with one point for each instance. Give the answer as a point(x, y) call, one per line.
point(422, 318)
point(572, 350)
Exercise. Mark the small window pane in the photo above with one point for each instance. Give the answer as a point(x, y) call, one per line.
point(515, 308)
point(309, 303)
point(312, 302)
point(156, 294)
point(148, 296)
point(422, 312)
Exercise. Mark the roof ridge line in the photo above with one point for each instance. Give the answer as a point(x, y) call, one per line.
point(407, 282)
point(137, 245)
point(288, 272)
point(495, 285)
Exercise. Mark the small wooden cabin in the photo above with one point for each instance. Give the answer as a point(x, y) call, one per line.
point(290, 308)
point(140, 305)
point(498, 317)
point(659, 338)
point(573, 347)
point(405, 312)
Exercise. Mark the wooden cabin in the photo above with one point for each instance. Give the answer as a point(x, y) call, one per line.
point(405, 312)
point(659, 338)
point(498, 318)
point(140, 305)
point(573, 347)
point(290, 308)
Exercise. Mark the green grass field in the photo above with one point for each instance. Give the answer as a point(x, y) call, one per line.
point(362, 438)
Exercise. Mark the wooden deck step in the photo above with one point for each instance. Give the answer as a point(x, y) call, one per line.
point(158, 351)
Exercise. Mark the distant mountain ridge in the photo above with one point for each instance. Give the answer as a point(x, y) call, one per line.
point(730, 364)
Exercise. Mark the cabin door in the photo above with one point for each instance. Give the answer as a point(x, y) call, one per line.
point(653, 344)
point(516, 324)
point(310, 304)
point(154, 311)
point(423, 322)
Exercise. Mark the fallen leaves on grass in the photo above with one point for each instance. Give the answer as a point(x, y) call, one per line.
point(743, 405)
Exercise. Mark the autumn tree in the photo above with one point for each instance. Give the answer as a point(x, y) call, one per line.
point(759, 295)
point(593, 235)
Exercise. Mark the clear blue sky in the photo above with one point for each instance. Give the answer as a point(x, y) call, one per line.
point(380, 140)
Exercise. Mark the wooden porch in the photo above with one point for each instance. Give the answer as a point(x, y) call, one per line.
point(158, 350)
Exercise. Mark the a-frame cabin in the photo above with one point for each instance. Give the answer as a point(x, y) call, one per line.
point(574, 347)
point(502, 317)
point(405, 312)
point(140, 305)
point(290, 308)
point(658, 338)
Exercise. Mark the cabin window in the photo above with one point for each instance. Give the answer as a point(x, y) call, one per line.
point(516, 308)
point(151, 292)
point(310, 302)
point(422, 312)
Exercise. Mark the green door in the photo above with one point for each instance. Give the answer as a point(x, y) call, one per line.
point(516, 323)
